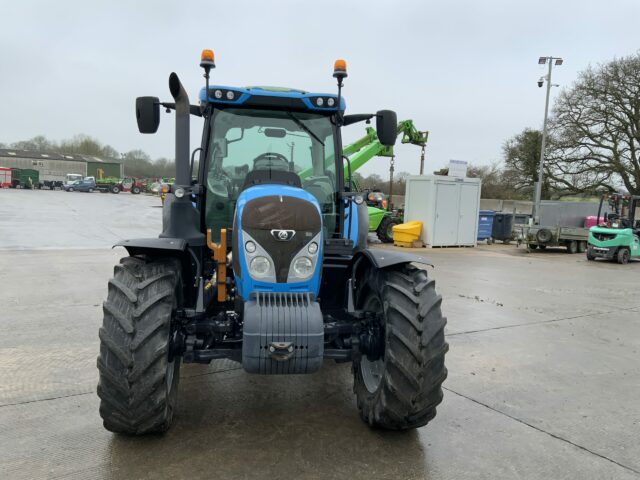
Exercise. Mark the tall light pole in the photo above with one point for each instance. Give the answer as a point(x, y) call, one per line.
point(538, 196)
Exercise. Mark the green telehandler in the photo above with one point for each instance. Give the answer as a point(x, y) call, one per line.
point(618, 237)
point(381, 219)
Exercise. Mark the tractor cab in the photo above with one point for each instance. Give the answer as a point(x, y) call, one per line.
point(271, 136)
point(617, 235)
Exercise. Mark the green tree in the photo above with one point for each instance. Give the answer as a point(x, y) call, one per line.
point(521, 155)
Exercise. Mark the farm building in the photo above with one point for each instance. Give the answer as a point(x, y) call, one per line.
point(54, 167)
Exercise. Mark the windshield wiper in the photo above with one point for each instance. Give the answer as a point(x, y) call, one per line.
point(304, 127)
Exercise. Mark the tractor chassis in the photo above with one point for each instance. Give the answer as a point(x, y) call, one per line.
point(201, 339)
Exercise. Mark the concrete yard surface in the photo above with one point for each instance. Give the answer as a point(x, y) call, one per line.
point(544, 370)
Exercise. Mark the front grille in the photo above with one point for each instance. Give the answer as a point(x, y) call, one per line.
point(283, 299)
point(603, 237)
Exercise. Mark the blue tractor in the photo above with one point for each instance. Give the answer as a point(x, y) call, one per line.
point(263, 260)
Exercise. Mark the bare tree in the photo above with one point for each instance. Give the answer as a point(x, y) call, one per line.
point(595, 130)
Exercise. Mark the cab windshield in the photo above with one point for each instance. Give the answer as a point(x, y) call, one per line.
point(245, 140)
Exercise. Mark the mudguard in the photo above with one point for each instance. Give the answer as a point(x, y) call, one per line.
point(142, 245)
point(383, 258)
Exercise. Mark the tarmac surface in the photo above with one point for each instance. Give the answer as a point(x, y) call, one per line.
point(544, 370)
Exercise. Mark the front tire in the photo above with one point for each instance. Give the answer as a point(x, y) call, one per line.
point(115, 189)
point(385, 229)
point(623, 256)
point(138, 382)
point(572, 247)
point(401, 390)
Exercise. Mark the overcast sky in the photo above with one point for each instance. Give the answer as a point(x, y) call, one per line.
point(464, 70)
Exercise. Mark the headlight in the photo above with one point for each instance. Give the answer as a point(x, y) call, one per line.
point(313, 248)
point(319, 101)
point(218, 94)
point(179, 192)
point(259, 266)
point(230, 95)
point(330, 102)
point(303, 266)
point(250, 247)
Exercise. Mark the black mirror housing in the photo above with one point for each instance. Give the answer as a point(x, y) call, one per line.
point(148, 114)
point(387, 127)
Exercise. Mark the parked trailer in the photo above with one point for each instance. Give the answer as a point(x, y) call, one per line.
point(561, 225)
point(574, 239)
point(25, 178)
point(51, 184)
point(112, 185)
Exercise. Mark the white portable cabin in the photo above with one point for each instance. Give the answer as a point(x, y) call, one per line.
point(448, 208)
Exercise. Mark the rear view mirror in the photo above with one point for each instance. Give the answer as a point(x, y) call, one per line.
point(275, 132)
point(148, 114)
point(387, 127)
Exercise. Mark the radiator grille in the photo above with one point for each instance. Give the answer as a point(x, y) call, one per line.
point(287, 299)
point(603, 237)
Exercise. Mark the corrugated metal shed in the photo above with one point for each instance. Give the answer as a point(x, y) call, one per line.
point(55, 166)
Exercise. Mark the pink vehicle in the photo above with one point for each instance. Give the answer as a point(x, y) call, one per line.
point(592, 221)
point(5, 177)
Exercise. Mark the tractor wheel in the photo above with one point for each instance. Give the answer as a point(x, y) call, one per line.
point(138, 384)
point(402, 387)
point(115, 189)
point(385, 229)
point(623, 256)
point(135, 190)
point(572, 247)
point(582, 246)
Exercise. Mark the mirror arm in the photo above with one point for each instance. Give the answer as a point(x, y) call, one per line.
point(193, 109)
point(357, 117)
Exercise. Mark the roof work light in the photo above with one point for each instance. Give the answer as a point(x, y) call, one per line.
point(340, 69)
point(207, 59)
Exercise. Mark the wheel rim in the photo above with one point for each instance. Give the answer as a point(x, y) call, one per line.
point(390, 230)
point(372, 372)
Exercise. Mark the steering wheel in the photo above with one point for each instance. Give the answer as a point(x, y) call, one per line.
point(271, 161)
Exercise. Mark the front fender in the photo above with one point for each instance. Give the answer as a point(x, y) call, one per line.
point(383, 258)
point(144, 245)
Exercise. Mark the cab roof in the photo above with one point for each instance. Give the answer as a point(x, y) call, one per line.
point(279, 98)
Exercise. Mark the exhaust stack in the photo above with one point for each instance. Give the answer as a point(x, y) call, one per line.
point(183, 166)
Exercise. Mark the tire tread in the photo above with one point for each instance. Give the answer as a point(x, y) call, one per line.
point(132, 365)
point(411, 386)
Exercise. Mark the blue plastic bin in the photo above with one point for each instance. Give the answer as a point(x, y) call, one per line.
point(485, 224)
